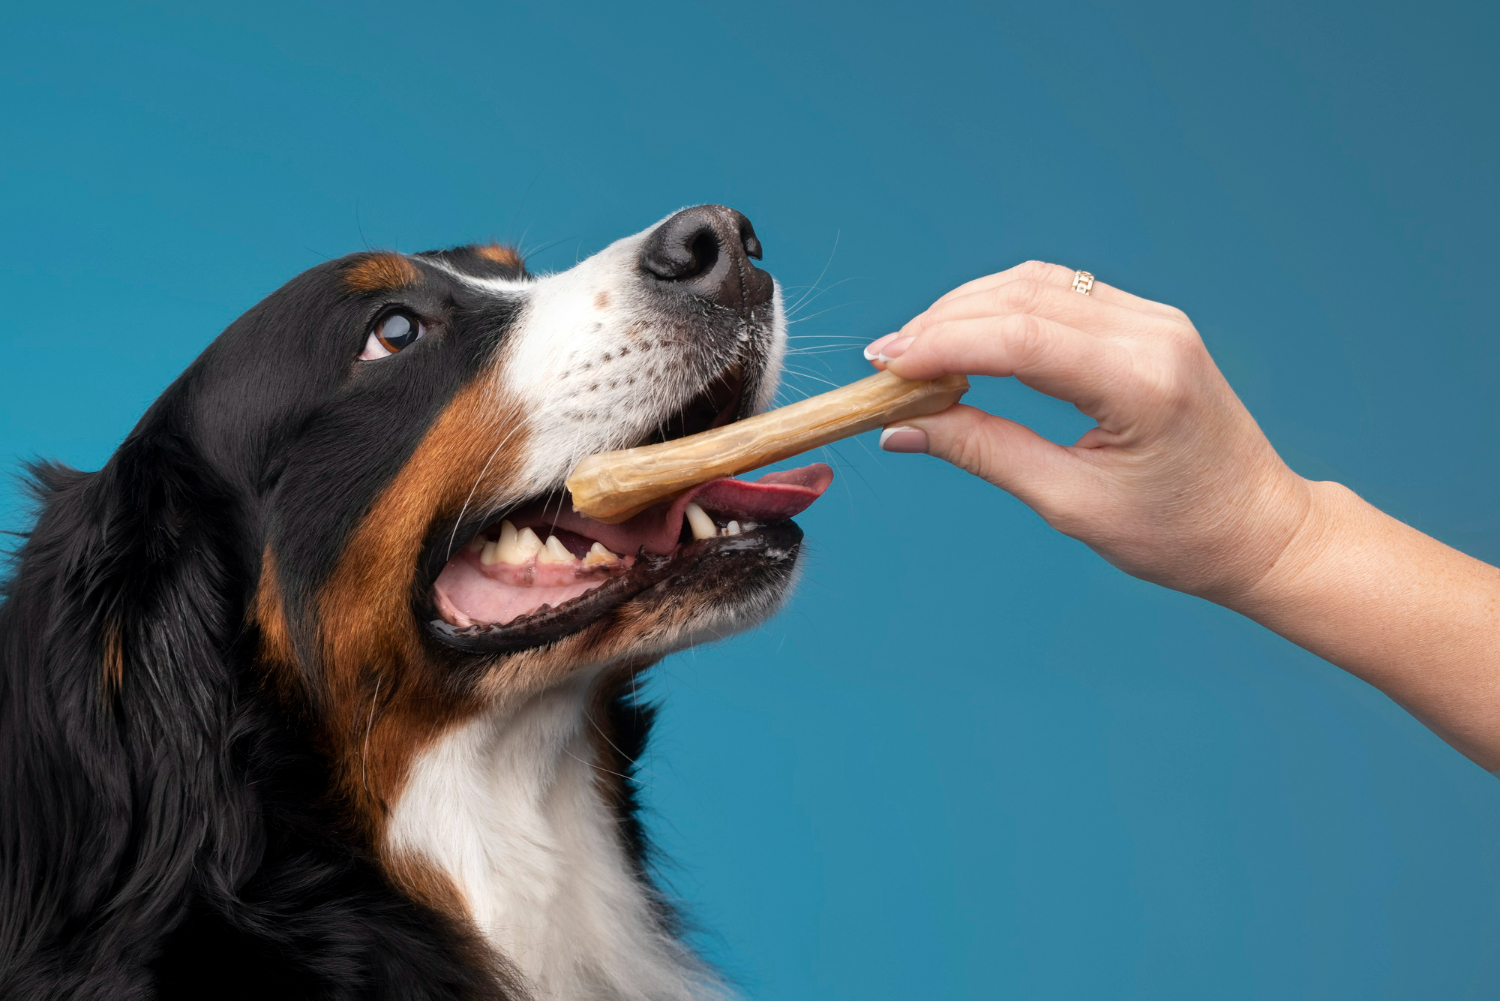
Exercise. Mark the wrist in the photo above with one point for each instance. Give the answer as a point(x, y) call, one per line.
point(1291, 576)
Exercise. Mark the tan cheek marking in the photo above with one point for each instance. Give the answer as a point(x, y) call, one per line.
point(384, 695)
point(268, 612)
point(380, 272)
point(277, 652)
point(500, 254)
point(427, 884)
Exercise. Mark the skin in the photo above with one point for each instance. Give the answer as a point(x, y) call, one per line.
point(1178, 485)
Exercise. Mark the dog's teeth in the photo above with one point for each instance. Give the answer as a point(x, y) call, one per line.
point(554, 552)
point(508, 547)
point(525, 547)
point(477, 546)
point(702, 525)
point(598, 554)
point(733, 528)
point(489, 554)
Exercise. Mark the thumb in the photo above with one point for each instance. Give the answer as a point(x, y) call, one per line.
point(1011, 456)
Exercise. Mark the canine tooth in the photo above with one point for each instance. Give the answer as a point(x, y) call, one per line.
point(703, 526)
point(490, 554)
point(507, 547)
point(554, 552)
point(525, 547)
point(598, 554)
point(477, 544)
point(733, 528)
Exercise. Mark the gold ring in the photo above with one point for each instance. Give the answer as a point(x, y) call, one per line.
point(1083, 282)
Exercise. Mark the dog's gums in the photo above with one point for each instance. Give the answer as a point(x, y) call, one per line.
point(544, 557)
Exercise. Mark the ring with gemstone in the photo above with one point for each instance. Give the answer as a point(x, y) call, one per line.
point(1083, 282)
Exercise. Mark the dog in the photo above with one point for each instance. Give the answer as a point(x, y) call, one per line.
point(320, 689)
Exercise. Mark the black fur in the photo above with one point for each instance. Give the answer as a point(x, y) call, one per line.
point(169, 825)
point(161, 833)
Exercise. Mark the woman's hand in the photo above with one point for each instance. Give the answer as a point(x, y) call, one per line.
point(1176, 484)
point(1179, 486)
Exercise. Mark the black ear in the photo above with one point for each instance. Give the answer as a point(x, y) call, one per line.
point(163, 824)
point(116, 702)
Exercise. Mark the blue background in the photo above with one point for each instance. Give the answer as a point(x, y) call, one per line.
point(971, 760)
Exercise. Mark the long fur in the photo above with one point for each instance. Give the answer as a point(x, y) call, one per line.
point(234, 760)
point(170, 813)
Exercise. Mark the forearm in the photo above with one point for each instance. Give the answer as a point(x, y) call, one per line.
point(1411, 616)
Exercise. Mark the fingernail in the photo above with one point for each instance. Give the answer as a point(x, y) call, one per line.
point(903, 439)
point(895, 349)
point(872, 351)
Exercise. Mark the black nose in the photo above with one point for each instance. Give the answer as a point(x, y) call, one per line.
point(705, 251)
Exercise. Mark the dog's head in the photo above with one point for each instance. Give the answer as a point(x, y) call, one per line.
point(398, 429)
point(338, 539)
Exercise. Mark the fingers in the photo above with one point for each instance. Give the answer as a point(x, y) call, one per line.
point(1057, 276)
point(1025, 295)
point(1048, 356)
point(1011, 456)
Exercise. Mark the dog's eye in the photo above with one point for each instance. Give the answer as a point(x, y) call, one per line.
point(392, 332)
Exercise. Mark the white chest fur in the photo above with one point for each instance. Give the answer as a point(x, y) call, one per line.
point(507, 805)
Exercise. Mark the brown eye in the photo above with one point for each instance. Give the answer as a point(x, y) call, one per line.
point(392, 332)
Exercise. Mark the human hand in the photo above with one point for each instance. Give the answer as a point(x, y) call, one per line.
point(1176, 485)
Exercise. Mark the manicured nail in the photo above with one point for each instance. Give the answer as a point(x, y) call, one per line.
point(872, 351)
point(903, 439)
point(895, 349)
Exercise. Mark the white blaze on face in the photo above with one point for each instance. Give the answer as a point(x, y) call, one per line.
point(600, 360)
point(508, 804)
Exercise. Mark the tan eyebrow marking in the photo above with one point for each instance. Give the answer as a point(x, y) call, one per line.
point(379, 272)
point(500, 254)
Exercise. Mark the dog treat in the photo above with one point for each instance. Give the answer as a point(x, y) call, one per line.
point(612, 486)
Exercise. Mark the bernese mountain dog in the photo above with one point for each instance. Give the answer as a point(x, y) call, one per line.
point(320, 688)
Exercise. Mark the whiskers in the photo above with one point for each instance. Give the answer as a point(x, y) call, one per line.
point(453, 535)
point(812, 290)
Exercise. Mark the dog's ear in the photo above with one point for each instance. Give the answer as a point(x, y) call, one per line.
point(115, 710)
point(140, 760)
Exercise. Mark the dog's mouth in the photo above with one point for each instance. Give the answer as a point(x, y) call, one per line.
point(543, 571)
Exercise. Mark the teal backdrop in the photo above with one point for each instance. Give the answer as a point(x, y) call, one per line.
point(970, 760)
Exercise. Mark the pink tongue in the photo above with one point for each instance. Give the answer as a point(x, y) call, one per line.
point(773, 497)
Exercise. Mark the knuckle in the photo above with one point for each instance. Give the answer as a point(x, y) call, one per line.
point(966, 450)
point(1023, 338)
point(1163, 383)
point(1041, 271)
point(1184, 341)
point(1023, 332)
point(1018, 296)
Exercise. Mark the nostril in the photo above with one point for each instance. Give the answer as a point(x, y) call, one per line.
point(685, 247)
point(703, 253)
point(749, 240)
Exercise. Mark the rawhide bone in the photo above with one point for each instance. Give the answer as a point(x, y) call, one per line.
point(613, 486)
